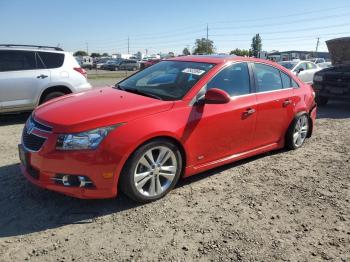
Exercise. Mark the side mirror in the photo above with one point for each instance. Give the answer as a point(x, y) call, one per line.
point(216, 96)
point(300, 70)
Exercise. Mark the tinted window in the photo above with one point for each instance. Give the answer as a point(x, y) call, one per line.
point(268, 78)
point(234, 79)
point(294, 84)
point(17, 60)
point(286, 80)
point(52, 60)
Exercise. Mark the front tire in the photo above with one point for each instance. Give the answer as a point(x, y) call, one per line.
point(297, 132)
point(151, 171)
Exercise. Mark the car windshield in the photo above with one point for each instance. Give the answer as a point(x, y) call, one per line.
point(289, 65)
point(166, 80)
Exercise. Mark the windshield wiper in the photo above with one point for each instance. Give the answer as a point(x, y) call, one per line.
point(119, 87)
point(138, 91)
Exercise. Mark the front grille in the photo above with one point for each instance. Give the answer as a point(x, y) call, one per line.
point(40, 126)
point(31, 141)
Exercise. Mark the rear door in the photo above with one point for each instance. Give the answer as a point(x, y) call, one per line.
point(275, 104)
point(20, 79)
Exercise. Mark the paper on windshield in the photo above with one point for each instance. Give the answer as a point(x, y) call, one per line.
point(193, 71)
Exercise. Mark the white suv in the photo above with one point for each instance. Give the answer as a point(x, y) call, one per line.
point(32, 75)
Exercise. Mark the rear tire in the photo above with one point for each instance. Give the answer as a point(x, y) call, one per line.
point(151, 171)
point(321, 100)
point(52, 95)
point(297, 132)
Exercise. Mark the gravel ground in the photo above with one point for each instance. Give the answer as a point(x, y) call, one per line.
point(281, 206)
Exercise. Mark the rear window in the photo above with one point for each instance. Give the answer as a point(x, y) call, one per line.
point(17, 60)
point(52, 60)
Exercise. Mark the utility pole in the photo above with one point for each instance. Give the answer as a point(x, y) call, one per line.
point(128, 45)
point(87, 48)
point(207, 39)
point(317, 44)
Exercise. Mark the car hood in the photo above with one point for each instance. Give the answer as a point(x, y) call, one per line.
point(96, 108)
point(339, 50)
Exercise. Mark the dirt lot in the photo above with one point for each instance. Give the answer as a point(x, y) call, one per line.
point(284, 206)
point(100, 78)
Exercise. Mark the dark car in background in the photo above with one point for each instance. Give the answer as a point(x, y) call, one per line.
point(112, 65)
point(131, 65)
point(334, 82)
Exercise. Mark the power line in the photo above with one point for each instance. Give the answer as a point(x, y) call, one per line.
point(290, 31)
point(284, 23)
point(283, 16)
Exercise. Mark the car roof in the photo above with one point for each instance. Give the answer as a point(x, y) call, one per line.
point(218, 59)
point(32, 50)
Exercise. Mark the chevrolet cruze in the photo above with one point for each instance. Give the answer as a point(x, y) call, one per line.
point(174, 119)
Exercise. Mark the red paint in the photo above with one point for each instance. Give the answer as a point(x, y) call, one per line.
point(210, 134)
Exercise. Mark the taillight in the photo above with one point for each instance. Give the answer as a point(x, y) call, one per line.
point(81, 71)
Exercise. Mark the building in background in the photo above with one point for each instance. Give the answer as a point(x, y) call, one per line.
point(290, 55)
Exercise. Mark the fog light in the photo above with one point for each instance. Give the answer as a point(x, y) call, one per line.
point(73, 181)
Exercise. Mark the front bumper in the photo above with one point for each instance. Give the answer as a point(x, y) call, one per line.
point(42, 167)
point(45, 181)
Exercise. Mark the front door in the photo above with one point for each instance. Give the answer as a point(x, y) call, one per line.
point(221, 130)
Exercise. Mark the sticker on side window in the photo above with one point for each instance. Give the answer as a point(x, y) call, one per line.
point(193, 71)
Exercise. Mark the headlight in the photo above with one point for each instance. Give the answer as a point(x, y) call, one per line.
point(318, 78)
point(85, 140)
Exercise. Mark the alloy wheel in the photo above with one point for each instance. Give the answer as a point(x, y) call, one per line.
point(155, 171)
point(300, 130)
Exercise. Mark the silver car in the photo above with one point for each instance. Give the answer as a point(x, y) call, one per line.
point(305, 70)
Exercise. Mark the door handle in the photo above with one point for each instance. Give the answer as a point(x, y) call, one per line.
point(249, 111)
point(42, 76)
point(287, 102)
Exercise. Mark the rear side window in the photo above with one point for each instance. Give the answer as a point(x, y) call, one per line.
point(233, 79)
point(17, 60)
point(286, 80)
point(52, 60)
point(294, 84)
point(268, 78)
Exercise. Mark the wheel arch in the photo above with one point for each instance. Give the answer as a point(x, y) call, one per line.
point(302, 112)
point(170, 138)
point(55, 88)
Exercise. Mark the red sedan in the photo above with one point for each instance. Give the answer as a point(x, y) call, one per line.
point(174, 119)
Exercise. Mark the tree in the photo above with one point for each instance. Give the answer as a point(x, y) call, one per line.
point(95, 55)
point(80, 53)
point(105, 54)
point(204, 46)
point(171, 54)
point(186, 51)
point(256, 45)
point(240, 52)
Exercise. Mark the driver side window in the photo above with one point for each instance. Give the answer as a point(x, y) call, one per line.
point(233, 79)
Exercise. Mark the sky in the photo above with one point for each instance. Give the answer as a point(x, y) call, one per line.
point(164, 26)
